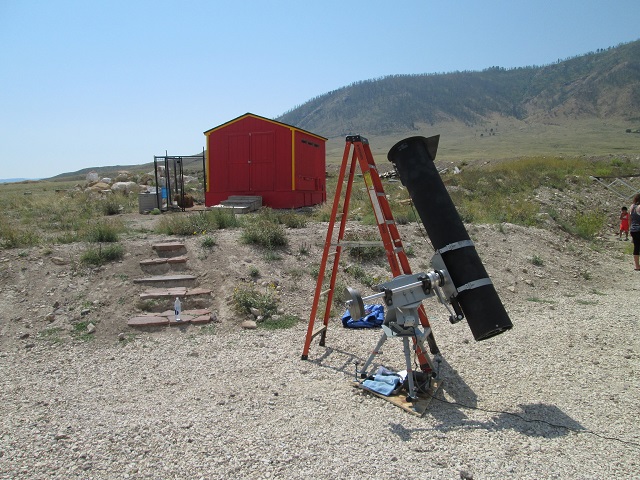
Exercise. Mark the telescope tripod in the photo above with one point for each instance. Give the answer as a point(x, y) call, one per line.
point(418, 340)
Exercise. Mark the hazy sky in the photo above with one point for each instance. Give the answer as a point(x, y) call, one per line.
point(91, 83)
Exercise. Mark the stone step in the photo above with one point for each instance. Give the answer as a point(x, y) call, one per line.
point(169, 249)
point(163, 265)
point(167, 318)
point(160, 261)
point(241, 203)
point(173, 280)
point(174, 292)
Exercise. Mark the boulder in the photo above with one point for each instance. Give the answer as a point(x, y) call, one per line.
point(124, 187)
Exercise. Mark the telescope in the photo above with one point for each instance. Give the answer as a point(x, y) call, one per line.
point(458, 277)
point(471, 292)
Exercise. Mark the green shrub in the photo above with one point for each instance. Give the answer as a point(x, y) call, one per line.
point(261, 230)
point(111, 205)
point(292, 219)
point(589, 224)
point(101, 255)
point(103, 232)
point(208, 242)
point(537, 261)
point(246, 296)
point(196, 223)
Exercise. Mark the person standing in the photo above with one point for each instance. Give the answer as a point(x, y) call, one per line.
point(634, 229)
point(624, 224)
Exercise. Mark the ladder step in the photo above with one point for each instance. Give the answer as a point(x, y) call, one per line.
point(361, 243)
point(318, 331)
point(322, 294)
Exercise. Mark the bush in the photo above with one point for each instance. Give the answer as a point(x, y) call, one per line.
point(264, 230)
point(103, 232)
point(196, 223)
point(589, 224)
point(111, 205)
point(100, 256)
point(246, 296)
point(292, 219)
point(208, 242)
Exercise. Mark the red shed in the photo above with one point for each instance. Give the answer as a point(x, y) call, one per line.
point(252, 155)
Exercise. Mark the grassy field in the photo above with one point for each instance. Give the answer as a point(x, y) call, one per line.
point(503, 167)
point(505, 139)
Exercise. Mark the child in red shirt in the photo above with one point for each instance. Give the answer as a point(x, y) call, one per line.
point(624, 224)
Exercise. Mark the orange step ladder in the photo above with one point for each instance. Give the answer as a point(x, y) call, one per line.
point(334, 242)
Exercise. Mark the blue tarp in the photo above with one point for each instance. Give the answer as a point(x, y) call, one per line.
point(373, 318)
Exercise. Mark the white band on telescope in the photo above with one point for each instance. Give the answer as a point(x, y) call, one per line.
point(455, 246)
point(481, 282)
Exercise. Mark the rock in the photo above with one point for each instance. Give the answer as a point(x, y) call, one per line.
point(124, 187)
point(255, 312)
point(51, 317)
point(91, 328)
point(92, 177)
point(249, 325)
point(59, 261)
point(85, 311)
point(122, 337)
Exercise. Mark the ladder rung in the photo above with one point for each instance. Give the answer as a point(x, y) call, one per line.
point(318, 331)
point(322, 294)
point(362, 243)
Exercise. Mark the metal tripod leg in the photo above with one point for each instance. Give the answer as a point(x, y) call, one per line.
point(418, 339)
point(407, 359)
point(376, 350)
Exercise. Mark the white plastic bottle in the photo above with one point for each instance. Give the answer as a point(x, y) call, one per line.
point(177, 308)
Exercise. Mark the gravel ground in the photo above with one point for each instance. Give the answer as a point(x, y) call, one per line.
point(556, 397)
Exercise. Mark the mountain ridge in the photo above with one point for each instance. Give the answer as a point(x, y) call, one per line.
point(603, 84)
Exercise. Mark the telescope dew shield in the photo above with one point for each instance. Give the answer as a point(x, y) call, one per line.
point(413, 159)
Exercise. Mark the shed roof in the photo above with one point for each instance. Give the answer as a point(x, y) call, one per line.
point(265, 119)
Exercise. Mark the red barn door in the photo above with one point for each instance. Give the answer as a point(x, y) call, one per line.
point(238, 148)
point(251, 162)
point(262, 161)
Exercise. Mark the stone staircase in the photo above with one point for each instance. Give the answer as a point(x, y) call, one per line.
point(165, 284)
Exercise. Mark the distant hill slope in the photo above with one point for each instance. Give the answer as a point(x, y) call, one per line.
point(603, 84)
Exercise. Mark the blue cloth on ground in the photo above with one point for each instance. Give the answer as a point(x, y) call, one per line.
point(382, 384)
point(373, 318)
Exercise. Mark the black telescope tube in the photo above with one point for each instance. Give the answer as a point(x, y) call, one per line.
point(413, 159)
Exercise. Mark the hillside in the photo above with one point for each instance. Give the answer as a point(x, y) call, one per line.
point(602, 85)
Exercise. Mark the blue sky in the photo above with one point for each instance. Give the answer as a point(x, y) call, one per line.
point(92, 83)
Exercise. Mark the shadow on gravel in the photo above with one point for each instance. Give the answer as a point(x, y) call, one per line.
point(534, 420)
point(339, 361)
